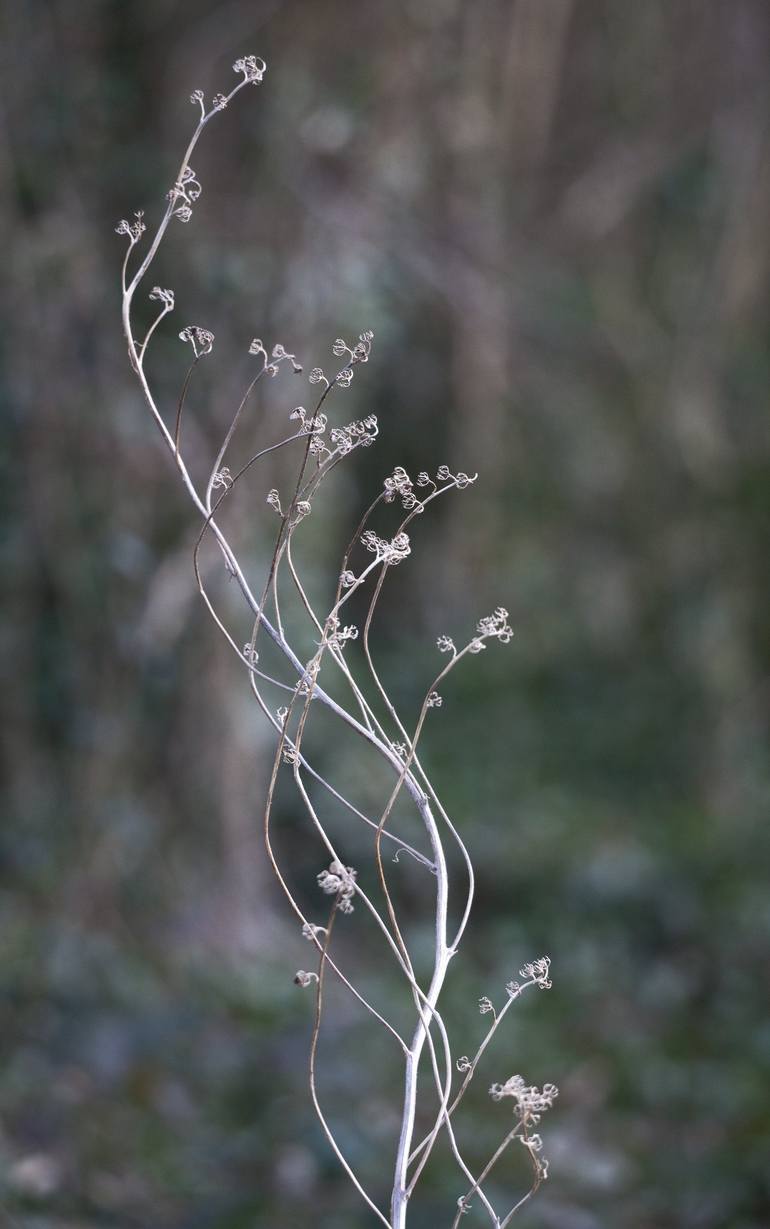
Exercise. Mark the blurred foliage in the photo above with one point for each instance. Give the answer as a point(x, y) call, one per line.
point(554, 215)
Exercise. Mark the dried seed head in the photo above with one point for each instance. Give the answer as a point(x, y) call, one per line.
point(301, 978)
point(166, 297)
point(339, 881)
point(253, 68)
point(201, 340)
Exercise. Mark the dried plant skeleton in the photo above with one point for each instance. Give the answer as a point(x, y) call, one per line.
point(430, 1070)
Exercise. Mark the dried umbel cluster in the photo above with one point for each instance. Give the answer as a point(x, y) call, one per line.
point(365, 565)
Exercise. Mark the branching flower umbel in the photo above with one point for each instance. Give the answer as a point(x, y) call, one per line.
point(536, 972)
point(134, 229)
point(492, 627)
point(530, 1103)
point(392, 552)
point(253, 68)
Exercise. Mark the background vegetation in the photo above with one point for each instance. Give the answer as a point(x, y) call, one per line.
point(554, 215)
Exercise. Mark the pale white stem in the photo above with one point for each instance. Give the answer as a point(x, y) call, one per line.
point(313, 1089)
point(487, 1170)
point(228, 438)
point(399, 1196)
point(166, 309)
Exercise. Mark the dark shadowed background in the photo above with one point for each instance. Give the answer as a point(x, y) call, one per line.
point(554, 216)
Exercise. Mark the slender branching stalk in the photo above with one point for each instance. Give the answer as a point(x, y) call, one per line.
point(369, 712)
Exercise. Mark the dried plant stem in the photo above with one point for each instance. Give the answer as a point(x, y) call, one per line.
point(368, 713)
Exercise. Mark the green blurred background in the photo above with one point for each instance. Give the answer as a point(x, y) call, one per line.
point(554, 215)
